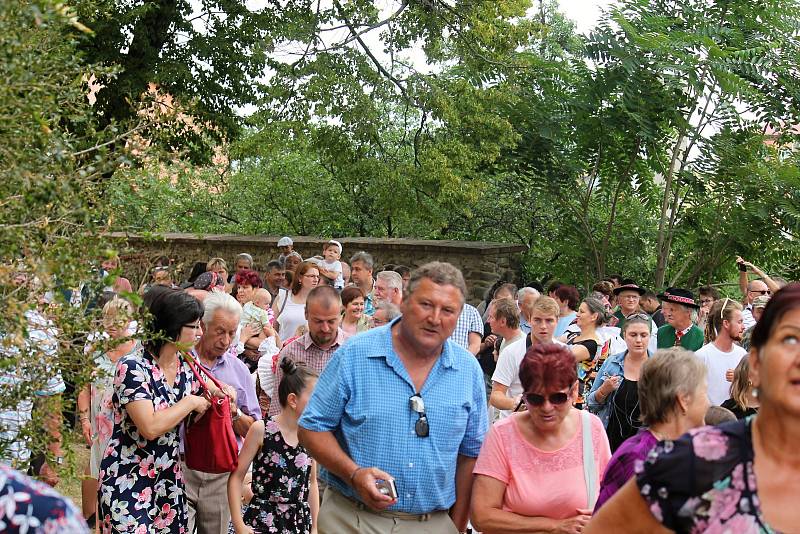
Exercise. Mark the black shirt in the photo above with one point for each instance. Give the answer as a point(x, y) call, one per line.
point(737, 410)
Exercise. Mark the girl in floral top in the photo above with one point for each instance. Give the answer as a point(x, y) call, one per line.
point(285, 494)
point(740, 477)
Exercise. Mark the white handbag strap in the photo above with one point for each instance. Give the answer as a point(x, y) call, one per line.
point(589, 467)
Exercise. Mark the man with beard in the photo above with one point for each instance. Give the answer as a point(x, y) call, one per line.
point(324, 337)
point(721, 356)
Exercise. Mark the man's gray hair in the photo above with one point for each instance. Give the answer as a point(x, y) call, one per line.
point(244, 256)
point(527, 291)
point(217, 301)
point(392, 279)
point(440, 273)
point(391, 310)
point(365, 258)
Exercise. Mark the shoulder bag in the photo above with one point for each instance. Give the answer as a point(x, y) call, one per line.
point(210, 444)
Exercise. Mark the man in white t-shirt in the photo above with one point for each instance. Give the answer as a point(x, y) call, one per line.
point(506, 386)
point(722, 355)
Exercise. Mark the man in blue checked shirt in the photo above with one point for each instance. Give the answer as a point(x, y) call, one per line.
point(400, 403)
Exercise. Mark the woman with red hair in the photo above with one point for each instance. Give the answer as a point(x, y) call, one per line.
point(539, 470)
point(247, 282)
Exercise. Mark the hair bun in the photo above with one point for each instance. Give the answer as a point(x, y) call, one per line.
point(288, 366)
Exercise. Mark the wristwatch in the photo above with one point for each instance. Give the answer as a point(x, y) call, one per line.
point(59, 460)
point(236, 415)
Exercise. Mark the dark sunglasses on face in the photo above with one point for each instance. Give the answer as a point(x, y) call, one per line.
point(764, 292)
point(556, 399)
point(417, 405)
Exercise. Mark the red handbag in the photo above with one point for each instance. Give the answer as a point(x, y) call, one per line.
point(210, 444)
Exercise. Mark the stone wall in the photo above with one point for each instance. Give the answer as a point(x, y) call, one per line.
point(481, 262)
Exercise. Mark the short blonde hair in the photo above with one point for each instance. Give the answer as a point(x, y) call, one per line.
point(546, 305)
point(117, 307)
point(216, 263)
point(669, 373)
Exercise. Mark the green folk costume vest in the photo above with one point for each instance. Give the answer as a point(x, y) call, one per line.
point(692, 340)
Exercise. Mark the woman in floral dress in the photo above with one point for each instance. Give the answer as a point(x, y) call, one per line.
point(141, 486)
point(740, 477)
point(285, 494)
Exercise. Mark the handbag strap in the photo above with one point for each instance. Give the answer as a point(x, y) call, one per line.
point(589, 467)
point(194, 366)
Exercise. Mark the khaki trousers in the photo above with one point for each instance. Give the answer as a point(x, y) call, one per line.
point(207, 497)
point(340, 515)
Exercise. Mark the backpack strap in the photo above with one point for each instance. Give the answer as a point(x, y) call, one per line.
point(283, 302)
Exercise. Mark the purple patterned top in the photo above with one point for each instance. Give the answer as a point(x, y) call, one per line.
point(622, 466)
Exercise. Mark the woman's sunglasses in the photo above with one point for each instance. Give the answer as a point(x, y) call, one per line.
point(556, 399)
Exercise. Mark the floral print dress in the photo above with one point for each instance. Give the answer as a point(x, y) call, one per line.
point(28, 506)
point(704, 481)
point(141, 484)
point(280, 486)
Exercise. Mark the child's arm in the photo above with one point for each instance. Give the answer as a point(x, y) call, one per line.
point(313, 497)
point(331, 275)
point(253, 441)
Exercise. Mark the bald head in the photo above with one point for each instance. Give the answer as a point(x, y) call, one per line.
point(756, 288)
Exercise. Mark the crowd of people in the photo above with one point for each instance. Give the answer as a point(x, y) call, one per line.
point(366, 400)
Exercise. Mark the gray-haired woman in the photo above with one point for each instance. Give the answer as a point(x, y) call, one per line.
point(587, 345)
point(673, 398)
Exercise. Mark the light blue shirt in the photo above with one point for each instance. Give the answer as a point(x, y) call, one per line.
point(563, 323)
point(363, 398)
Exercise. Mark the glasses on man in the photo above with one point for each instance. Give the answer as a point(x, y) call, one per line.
point(761, 292)
point(417, 405)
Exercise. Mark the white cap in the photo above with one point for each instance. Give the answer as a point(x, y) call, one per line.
point(334, 242)
point(285, 242)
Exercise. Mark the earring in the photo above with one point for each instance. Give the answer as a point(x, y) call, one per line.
point(755, 393)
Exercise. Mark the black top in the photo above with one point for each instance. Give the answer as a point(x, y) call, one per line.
point(486, 356)
point(623, 421)
point(658, 318)
point(590, 344)
point(737, 410)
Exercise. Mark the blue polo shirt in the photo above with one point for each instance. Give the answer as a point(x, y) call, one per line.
point(363, 398)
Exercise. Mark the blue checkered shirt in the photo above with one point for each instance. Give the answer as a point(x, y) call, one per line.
point(469, 321)
point(363, 398)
